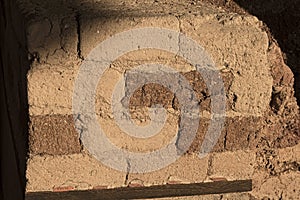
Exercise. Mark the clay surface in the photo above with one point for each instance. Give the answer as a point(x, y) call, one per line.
point(260, 139)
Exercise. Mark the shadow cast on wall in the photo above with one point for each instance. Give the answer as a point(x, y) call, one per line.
point(282, 17)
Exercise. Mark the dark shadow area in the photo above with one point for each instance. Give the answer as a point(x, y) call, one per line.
point(13, 102)
point(283, 19)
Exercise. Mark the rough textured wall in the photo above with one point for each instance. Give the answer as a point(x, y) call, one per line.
point(282, 20)
point(13, 102)
point(262, 117)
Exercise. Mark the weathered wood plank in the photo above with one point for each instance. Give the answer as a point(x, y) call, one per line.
point(175, 190)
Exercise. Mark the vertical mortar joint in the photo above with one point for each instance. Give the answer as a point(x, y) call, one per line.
point(127, 173)
point(225, 140)
point(77, 18)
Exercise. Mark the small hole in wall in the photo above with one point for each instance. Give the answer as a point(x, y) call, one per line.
point(234, 98)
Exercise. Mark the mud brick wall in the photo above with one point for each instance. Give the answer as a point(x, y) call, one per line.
point(261, 133)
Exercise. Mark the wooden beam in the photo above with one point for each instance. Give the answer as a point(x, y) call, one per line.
point(176, 190)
